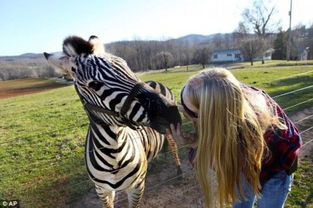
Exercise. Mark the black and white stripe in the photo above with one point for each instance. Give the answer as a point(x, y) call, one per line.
point(117, 156)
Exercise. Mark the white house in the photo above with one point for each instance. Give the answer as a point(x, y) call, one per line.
point(268, 54)
point(303, 54)
point(230, 55)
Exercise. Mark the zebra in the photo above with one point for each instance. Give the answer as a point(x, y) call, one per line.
point(128, 118)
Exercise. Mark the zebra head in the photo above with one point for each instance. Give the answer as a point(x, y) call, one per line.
point(107, 85)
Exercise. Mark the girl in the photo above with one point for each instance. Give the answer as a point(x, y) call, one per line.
point(242, 136)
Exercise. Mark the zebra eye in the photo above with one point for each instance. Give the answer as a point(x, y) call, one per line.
point(95, 85)
point(73, 69)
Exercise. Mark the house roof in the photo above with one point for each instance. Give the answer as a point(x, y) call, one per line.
point(226, 51)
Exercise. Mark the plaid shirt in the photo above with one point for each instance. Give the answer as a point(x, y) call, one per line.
point(284, 145)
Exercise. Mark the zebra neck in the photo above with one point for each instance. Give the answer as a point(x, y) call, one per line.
point(107, 135)
point(103, 119)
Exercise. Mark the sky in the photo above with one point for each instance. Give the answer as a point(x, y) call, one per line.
point(36, 26)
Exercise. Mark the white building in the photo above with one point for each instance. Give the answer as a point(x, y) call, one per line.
point(230, 55)
point(266, 56)
point(304, 53)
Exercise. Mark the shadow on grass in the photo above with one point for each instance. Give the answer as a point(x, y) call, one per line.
point(301, 81)
point(294, 83)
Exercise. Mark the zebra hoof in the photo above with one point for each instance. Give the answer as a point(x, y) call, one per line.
point(179, 171)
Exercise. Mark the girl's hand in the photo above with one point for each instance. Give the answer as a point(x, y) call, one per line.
point(182, 110)
point(180, 137)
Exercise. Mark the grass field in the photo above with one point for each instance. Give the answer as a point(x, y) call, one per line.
point(42, 135)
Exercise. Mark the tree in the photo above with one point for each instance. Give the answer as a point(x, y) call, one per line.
point(309, 40)
point(280, 46)
point(202, 56)
point(259, 19)
point(251, 47)
point(164, 59)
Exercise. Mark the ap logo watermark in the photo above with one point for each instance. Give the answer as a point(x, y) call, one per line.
point(9, 204)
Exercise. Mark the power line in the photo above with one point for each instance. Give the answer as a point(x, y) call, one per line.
point(307, 143)
point(293, 91)
point(294, 75)
point(308, 129)
point(289, 33)
point(306, 101)
point(305, 118)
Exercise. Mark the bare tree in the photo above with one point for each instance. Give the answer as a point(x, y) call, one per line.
point(259, 19)
point(164, 59)
point(251, 48)
point(202, 56)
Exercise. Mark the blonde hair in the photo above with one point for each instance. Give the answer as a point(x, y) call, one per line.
point(230, 135)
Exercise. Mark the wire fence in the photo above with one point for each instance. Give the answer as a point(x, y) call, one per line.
point(292, 91)
point(187, 173)
point(49, 163)
point(157, 185)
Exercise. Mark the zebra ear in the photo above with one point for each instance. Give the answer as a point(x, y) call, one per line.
point(98, 47)
point(75, 46)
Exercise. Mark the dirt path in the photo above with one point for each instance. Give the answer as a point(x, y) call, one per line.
point(12, 91)
point(185, 193)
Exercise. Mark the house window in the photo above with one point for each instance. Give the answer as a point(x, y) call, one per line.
point(215, 56)
point(237, 56)
point(229, 54)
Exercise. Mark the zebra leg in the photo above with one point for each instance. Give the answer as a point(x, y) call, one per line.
point(173, 147)
point(106, 196)
point(135, 194)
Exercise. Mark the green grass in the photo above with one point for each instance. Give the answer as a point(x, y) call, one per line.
point(42, 135)
point(275, 63)
point(302, 191)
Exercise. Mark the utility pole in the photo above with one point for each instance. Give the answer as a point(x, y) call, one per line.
point(289, 34)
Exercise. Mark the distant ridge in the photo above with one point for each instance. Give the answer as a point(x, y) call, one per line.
point(200, 39)
point(22, 56)
point(196, 37)
point(31, 55)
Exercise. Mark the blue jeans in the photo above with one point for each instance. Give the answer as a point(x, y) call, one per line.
point(273, 195)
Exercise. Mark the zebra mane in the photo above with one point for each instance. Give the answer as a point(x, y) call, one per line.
point(75, 46)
